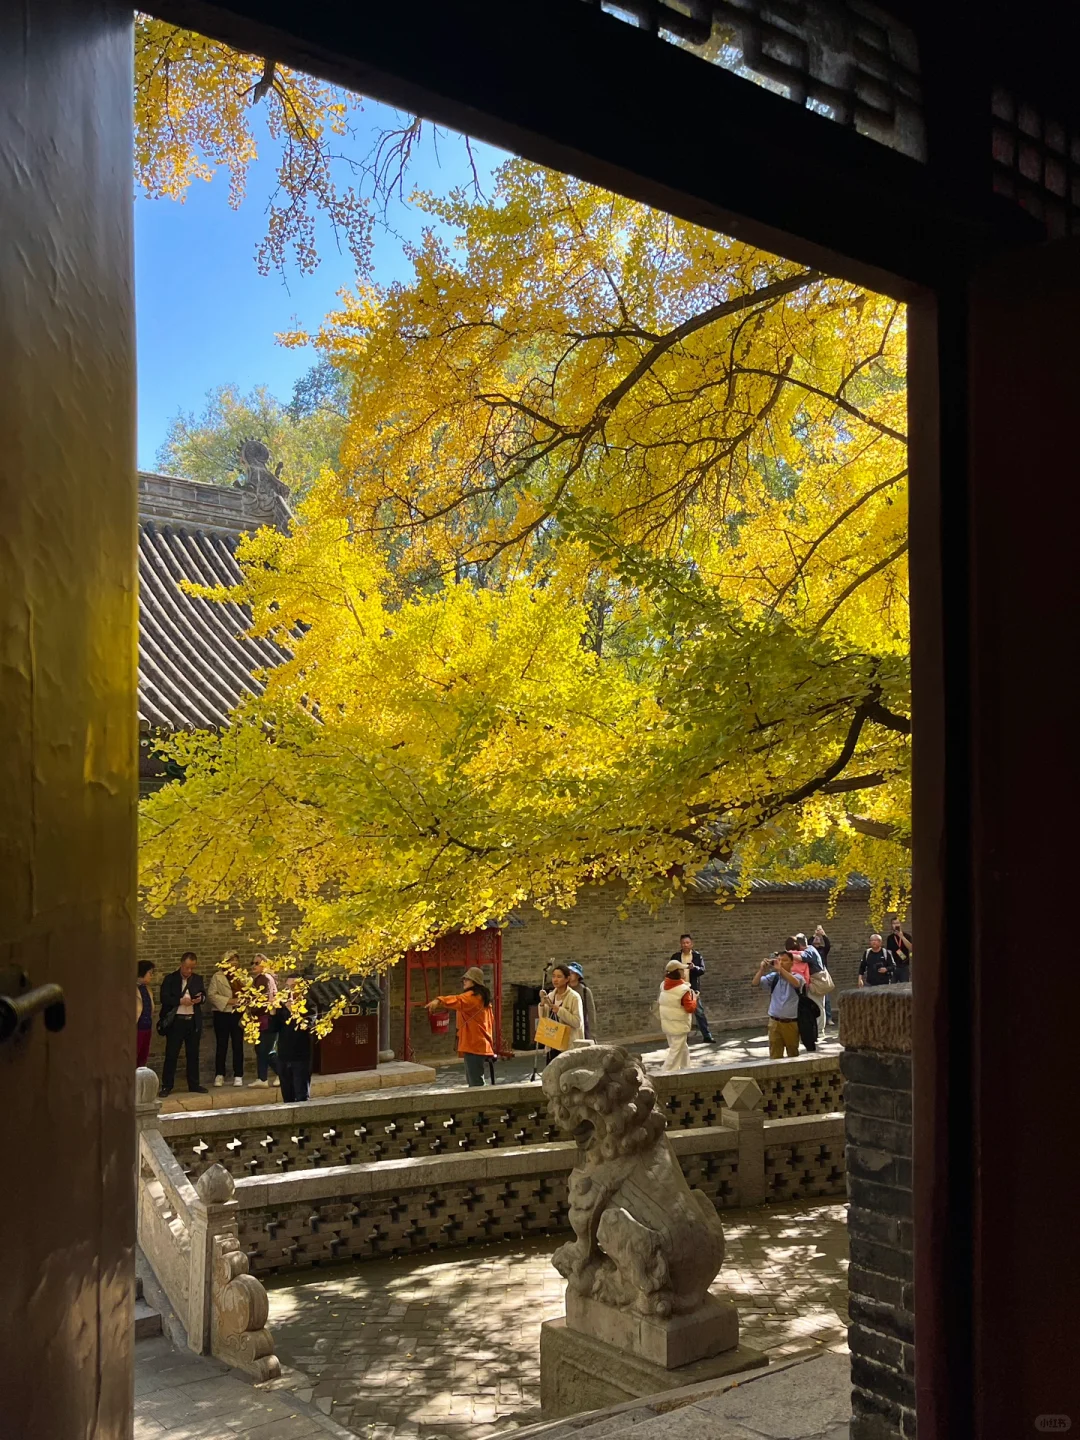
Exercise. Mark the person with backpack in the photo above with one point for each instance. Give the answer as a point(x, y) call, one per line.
point(877, 966)
point(475, 1023)
point(677, 1005)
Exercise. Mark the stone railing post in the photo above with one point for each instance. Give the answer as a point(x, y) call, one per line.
point(228, 1308)
point(215, 1217)
point(875, 1030)
point(147, 1110)
point(742, 1111)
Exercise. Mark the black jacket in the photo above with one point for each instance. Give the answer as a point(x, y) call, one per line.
point(873, 965)
point(295, 1045)
point(696, 967)
point(171, 988)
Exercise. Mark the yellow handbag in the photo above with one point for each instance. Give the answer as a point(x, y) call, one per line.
point(553, 1034)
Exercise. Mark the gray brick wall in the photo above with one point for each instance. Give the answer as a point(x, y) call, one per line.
point(881, 1301)
point(622, 956)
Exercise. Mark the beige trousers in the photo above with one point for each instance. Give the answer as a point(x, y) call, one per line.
point(678, 1055)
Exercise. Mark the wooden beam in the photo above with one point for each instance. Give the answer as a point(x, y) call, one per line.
point(569, 86)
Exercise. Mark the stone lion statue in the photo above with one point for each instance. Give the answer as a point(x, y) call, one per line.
point(644, 1241)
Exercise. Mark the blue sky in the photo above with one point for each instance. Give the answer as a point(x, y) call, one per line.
point(205, 315)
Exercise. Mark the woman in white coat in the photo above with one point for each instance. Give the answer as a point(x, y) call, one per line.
point(677, 1005)
point(563, 1003)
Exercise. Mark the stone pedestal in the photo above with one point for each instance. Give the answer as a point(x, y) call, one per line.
point(644, 1243)
point(579, 1372)
point(681, 1340)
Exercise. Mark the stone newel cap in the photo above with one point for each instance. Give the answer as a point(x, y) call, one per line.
point(146, 1086)
point(742, 1093)
point(878, 1017)
point(216, 1186)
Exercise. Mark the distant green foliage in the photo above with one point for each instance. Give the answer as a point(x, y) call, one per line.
point(304, 435)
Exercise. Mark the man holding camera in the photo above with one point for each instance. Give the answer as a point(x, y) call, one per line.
point(776, 975)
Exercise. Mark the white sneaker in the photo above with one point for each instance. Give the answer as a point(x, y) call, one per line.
point(239, 1080)
point(275, 1080)
point(219, 1079)
point(260, 1085)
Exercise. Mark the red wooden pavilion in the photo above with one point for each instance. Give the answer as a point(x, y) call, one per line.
point(424, 975)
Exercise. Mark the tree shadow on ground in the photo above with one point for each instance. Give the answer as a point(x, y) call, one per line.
point(446, 1344)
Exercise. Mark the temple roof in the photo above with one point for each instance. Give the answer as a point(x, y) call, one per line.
point(195, 662)
point(718, 878)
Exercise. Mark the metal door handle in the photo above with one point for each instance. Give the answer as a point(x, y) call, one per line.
point(16, 1011)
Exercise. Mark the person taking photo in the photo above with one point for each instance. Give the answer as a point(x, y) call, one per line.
point(898, 944)
point(777, 976)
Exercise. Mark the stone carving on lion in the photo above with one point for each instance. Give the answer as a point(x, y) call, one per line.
point(644, 1241)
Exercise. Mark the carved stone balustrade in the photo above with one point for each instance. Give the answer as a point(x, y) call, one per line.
point(189, 1234)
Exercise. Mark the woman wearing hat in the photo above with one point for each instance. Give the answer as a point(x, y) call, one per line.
point(474, 1023)
point(563, 1003)
point(677, 1005)
point(583, 991)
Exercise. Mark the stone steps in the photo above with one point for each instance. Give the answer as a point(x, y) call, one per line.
point(147, 1319)
point(608, 1428)
point(805, 1398)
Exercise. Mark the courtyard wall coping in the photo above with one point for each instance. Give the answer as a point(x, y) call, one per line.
point(401, 1104)
point(877, 1017)
point(556, 1157)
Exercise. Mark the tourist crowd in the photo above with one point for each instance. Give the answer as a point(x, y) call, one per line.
point(796, 977)
point(285, 1047)
point(799, 985)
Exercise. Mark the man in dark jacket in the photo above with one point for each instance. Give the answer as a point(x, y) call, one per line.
point(877, 967)
point(295, 1042)
point(180, 1021)
point(695, 968)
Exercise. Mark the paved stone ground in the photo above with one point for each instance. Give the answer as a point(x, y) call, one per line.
point(730, 1048)
point(181, 1396)
point(447, 1346)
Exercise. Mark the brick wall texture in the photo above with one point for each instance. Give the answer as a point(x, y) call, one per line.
point(622, 956)
point(881, 1337)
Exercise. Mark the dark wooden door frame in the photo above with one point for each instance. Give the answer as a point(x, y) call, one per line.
point(68, 734)
point(567, 86)
point(715, 149)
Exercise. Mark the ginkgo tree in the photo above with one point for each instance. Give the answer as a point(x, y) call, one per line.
point(202, 107)
point(610, 583)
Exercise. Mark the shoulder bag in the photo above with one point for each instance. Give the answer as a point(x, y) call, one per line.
point(822, 983)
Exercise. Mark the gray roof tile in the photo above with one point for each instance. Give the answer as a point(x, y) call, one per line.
point(195, 661)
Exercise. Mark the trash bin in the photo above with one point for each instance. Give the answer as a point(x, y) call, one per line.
point(526, 1014)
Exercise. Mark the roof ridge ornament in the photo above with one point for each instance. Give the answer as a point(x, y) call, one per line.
point(253, 459)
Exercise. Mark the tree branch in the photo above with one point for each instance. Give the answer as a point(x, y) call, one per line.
point(881, 715)
point(854, 782)
point(876, 829)
point(849, 590)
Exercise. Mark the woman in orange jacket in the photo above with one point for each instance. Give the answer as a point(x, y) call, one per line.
point(474, 1023)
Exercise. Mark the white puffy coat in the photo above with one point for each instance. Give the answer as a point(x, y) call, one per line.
point(674, 1019)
